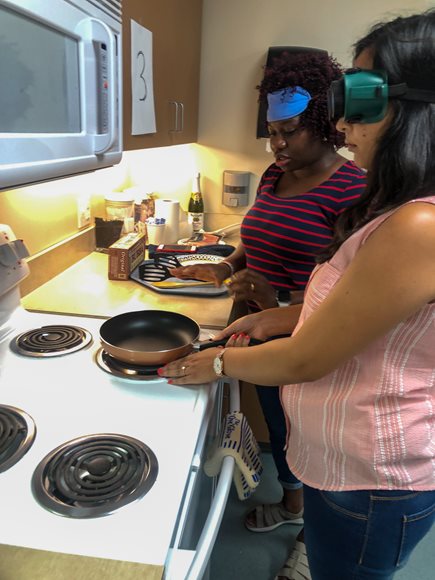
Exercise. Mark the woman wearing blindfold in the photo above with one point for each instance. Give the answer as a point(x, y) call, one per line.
point(358, 371)
point(298, 200)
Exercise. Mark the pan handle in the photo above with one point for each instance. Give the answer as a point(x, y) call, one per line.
point(252, 342)
point(223, 341)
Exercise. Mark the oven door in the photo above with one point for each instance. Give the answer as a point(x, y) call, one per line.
point(60, 109)
point(204, 500)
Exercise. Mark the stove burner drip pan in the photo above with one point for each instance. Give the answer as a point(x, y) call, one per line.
point(124, 369)
point(94, 475)
point(17, 433)
point(53, 340)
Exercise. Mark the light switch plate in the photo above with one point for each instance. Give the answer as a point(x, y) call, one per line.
point(83, 211)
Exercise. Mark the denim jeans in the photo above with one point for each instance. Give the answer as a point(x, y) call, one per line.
point(275, 420)
point(361, 535)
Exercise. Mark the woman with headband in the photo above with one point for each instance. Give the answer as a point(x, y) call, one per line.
point(358, 371)
point(299, 198)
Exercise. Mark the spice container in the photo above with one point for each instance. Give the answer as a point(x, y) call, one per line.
point(144, 208)
point(144, 205)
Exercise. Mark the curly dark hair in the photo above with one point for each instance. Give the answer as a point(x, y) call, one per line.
point(314, 72)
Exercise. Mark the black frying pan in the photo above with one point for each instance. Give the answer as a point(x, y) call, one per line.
point(149, 337)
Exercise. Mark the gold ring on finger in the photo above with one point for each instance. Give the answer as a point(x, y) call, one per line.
point(252, 287)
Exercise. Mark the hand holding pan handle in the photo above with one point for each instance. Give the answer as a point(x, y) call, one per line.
point(252, 342)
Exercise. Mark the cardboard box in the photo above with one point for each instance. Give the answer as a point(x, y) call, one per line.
point(125, 254)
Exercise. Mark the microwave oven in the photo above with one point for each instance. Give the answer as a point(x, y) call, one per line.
point(61, 96)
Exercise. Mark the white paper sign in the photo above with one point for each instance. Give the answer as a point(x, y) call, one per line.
point(143, 118)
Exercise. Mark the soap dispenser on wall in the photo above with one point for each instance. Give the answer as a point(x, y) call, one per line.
point(235, 188)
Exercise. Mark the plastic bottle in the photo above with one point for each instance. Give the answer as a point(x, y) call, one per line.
point(195, 215)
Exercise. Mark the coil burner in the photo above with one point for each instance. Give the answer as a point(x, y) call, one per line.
point(124, 369)
point(94, 475)
point(17, 433)
point(53, 340)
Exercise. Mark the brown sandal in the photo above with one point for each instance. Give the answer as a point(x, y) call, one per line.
point(296, 567)
point(268, 517)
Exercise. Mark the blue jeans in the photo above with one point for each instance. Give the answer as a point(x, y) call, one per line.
point(275, 420)
point(361, 535)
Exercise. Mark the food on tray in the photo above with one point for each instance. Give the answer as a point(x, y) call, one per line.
point(202, 239)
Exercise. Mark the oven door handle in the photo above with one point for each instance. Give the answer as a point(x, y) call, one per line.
point(210, 531)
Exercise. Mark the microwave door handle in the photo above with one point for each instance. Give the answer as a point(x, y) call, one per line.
point(105, 141)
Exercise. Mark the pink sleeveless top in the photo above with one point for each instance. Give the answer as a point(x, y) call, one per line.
point(370, 424)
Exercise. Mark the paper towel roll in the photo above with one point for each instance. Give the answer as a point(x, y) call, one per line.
point(170, 210)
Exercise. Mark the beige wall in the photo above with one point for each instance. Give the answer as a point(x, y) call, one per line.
point(236, 36)
point(45, 214)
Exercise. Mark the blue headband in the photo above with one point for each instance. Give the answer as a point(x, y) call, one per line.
point(287, 103)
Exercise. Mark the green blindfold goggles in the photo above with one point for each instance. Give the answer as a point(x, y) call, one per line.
point(361, 96)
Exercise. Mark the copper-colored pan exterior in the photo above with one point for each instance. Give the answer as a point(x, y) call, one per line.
point(149, 337)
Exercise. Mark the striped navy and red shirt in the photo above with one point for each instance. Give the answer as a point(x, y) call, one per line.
point(282, 236)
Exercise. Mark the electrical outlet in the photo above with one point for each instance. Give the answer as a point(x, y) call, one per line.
point(83, 211)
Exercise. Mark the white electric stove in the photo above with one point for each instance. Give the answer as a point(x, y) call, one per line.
point(93, 464)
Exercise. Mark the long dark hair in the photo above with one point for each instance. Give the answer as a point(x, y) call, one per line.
point(403, 165)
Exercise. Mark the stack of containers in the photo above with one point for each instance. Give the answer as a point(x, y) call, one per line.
point(144, 206)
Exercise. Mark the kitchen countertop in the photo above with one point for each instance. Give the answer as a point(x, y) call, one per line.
point(85, 289)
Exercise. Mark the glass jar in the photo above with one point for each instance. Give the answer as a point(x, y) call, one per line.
point(119, 206)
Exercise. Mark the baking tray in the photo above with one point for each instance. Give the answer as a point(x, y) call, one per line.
point(185, 260)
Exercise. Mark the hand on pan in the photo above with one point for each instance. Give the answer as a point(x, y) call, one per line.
point(197, 368)
point(191, 370)
point(250, 285)
point(249, 325)
point(238, 339)
point(208, 272)
point(265, 324)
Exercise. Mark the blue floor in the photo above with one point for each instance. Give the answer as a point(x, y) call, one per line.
point(243, 555)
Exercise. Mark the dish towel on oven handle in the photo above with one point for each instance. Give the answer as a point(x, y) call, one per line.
point(237, 440)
